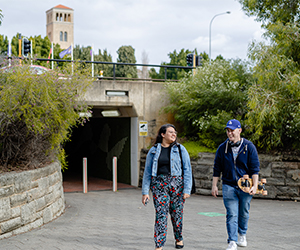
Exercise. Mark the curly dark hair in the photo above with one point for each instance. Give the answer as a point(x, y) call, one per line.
point(163, 130)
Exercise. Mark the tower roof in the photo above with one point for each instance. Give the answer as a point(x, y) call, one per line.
point(60, 6)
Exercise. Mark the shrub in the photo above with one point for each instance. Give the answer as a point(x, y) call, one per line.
point(204, 102)
point(37, 113)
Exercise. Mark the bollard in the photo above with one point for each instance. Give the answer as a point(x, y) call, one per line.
point(85, 175)
point(115, 182)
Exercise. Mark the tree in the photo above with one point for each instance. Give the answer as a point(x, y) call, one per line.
point(281, 22)
point(107, 69)
point(15, 45)
point(37, 113)
point(204, 102)
point(126, 55)
point(178, 59)
point(160, 75)
point(41, 48)
point(1, 17)
point(84, 54)
point(286, 39)
point(3, 44)
point(273, 100)
point(268, 12)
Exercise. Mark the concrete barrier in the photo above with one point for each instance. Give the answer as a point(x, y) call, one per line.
point(30, 199)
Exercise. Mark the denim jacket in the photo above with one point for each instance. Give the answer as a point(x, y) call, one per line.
point(175, 167)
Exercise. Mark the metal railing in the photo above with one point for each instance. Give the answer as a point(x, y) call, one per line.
point(128, 64)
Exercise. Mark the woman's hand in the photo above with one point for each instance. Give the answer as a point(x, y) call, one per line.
point(145, 198)
point(185, 196)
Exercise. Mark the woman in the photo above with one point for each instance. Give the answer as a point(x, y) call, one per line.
point(170, 180)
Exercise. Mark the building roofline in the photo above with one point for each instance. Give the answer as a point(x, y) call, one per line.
point(60, 6)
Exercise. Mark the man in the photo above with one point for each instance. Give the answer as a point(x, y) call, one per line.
point(234, 158)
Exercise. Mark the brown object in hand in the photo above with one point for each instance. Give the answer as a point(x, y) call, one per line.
point(245, 184)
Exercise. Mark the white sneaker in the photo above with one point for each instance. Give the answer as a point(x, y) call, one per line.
point(232, 246)
point(242, 242)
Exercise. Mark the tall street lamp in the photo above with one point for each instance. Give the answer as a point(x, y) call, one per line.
point(227, 12)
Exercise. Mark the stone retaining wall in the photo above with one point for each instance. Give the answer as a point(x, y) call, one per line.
point(282, 174)
point(30, 199)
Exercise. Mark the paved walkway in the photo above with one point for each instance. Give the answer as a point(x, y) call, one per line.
point(74, 184)
point(107, 220)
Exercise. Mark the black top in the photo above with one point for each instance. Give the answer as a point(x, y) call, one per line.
point(164, 161)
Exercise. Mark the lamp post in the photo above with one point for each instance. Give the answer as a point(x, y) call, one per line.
point(227, 12)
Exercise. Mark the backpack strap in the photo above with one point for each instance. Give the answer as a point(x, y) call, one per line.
point(193, 190)
point(178, 145)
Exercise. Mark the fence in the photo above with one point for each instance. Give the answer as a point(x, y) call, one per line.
point(166, 67)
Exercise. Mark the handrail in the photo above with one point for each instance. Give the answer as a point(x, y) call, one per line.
point(129, 64)
point(119, 63)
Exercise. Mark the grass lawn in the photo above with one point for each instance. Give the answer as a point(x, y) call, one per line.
point(193, 147)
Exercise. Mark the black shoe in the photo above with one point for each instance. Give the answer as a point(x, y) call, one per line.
point(178, 246)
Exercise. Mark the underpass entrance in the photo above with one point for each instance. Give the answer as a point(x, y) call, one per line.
point(99, 140)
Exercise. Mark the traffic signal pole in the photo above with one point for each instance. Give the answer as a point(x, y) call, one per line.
point(194, 64)
point(30, 52)
point(20, 47)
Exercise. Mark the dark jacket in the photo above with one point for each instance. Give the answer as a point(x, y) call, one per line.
point(246, 162)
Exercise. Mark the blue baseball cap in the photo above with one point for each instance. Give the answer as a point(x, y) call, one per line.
point(233, 124)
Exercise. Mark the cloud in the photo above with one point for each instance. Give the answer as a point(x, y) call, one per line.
point(159, 27)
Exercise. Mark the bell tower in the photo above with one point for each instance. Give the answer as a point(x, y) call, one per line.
point(60, 25)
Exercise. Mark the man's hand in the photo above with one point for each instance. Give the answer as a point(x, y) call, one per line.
point(255, 183)
point(253, 190)
point(215, 191)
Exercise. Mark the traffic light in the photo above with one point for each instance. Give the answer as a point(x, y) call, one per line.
point(26, 46)
point(189, 59)
point(198, 60)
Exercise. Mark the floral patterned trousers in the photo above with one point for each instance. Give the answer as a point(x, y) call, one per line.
point(167, 198)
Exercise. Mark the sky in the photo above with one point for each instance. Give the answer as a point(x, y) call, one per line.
point(154, 27)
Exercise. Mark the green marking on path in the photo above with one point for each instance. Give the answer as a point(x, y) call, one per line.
point(212, 214)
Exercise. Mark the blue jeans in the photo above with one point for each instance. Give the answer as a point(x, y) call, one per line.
point(237, 204)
